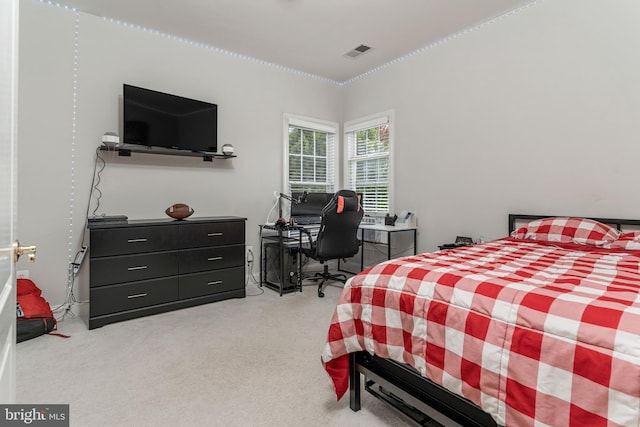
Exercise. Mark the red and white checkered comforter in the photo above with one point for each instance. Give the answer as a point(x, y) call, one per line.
point(533, 333)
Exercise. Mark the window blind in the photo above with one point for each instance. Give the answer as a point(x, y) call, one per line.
point(304, 123)
point(366, 123)
point(311, 155)
point(368, 154)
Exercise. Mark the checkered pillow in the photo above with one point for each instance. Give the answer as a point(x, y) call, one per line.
point(626, 241)
point(568, 230)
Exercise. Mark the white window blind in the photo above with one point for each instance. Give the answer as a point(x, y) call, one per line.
point(310, 155)
point(368, 161)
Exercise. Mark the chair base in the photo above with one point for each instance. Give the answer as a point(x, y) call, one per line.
point(326, 276)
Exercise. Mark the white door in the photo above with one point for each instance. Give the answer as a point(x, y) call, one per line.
point(8, 124)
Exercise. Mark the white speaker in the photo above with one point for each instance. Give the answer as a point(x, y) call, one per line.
point(227, 149)
point(111, 139)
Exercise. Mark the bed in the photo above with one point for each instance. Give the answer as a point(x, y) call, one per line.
point(538, 328)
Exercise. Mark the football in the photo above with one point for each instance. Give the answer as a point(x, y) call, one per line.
point(179, 211)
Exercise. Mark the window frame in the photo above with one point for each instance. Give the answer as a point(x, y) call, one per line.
point(316, 125)
point(367, 122)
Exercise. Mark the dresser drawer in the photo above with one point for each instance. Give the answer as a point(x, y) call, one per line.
point(130, 268)
point(133, 240)
point(211, 234)
point(203, 259)
point(145, 267)
point(211, 282)
point(129, 296)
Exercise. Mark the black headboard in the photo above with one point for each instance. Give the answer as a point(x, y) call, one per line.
point(618, 223)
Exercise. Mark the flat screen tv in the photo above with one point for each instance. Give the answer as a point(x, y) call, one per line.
point(157, 119)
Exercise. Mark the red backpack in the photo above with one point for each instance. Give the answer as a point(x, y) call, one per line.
point(33, 311)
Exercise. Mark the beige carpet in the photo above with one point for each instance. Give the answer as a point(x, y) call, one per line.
point(243, 362)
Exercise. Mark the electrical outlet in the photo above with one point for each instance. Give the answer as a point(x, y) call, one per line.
point(22, 274)
point(250, 254)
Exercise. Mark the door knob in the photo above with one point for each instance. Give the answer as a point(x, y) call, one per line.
point(22, 250)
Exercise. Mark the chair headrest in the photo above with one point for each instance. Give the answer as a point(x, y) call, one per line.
point(348, 203)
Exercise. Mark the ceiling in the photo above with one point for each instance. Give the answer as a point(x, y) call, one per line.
point(312, 36)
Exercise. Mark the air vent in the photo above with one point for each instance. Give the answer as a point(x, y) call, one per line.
point(357, 51)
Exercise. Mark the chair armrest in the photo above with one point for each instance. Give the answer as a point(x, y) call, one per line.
point(308, 233)
point(309, 250)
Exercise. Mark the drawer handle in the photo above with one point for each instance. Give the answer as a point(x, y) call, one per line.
point(214, 258)
point(140, 267)
point(136, 240)
point(136, 296)
point(215, 282)
point(214, 234)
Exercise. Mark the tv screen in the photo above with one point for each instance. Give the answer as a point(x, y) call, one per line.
point(157, 119)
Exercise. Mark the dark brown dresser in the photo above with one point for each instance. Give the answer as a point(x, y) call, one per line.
point(144, 267)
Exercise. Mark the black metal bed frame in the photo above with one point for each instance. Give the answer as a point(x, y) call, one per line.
point(417, 397)
point(413, 395)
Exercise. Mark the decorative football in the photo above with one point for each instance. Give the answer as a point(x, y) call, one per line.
point(179, 211)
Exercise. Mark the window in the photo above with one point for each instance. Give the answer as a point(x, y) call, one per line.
point(310, 155)
point(368, 160)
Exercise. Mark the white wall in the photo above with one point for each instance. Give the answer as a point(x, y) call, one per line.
point(56, 164)
point(537, 113)
point(534, 113)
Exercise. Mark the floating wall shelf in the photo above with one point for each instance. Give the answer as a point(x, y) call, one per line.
point(126, 151)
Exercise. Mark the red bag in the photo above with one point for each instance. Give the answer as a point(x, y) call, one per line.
point(26, 287)
point(34, 315)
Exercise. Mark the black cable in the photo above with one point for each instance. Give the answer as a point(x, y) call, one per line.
point(252, 277)
point(70, 298)
point(95, 186)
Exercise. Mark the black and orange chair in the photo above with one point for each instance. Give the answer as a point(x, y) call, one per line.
point(337, 237)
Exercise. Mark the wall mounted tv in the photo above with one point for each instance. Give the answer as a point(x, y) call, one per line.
point(156, 119)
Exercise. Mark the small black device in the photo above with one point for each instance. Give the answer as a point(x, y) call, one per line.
point(463, 241)
point(390, 220)
point(157, 119)
point(460, 241)
point(108, 219)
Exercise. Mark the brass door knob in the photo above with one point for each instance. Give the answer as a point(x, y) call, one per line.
point(22, 250)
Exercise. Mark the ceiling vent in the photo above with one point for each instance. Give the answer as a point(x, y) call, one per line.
point(358, 50)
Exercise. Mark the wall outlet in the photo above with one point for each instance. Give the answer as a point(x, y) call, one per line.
point(250, 255)
point(22, 274)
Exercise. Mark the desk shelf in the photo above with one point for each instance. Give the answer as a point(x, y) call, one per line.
point(274, 240)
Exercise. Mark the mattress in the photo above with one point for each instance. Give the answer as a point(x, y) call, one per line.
point(534, 333)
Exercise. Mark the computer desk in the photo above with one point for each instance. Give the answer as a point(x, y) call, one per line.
point(294, 236)
point(390, 230)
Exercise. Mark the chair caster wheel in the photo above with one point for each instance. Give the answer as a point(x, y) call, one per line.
point(320, 294)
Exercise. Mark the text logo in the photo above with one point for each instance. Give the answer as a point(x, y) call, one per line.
point(34, 415)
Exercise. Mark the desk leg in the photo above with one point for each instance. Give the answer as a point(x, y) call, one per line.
point(415, 241)
point(362, 250)
point(281, 249)
point(261, 260)
point(300, 261)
